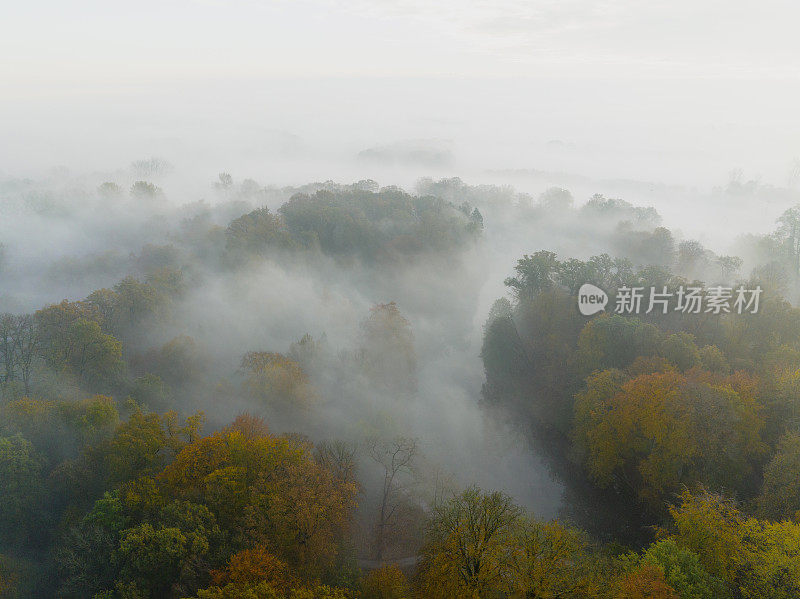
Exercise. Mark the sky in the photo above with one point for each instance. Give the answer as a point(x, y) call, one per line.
point(99, 42)
point(677, 92)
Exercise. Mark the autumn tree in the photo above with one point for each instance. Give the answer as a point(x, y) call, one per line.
point(754, 558)
point(780, 492)
point(276, 381)
point(657, 431)
point(386, 582)
point(468, 545)
point(265, 490)
point(645, 582)
point(139, 447)
point(551, 560)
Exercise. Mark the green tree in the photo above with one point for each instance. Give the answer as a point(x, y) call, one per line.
point(535, 273)
point(161, 561)
point(22, 492)
point(683, 571)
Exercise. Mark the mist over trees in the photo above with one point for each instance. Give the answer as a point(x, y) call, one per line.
point(313, 392)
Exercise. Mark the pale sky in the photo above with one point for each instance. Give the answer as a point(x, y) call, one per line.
point(679, 91)
point(96, 41)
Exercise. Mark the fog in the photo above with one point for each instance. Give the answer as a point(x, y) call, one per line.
point(660, 143)
point(677, 138)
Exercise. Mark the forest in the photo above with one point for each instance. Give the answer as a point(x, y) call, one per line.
point(311, 392)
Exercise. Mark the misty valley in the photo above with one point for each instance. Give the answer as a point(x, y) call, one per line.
point(353, 391)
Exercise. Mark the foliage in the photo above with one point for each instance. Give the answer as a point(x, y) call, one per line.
point(466, 551)
point(22, 492)
point(386, 582)
point(657, 431)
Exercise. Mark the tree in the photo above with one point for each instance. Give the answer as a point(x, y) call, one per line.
point(84, 557)
point(354, 223)
point(680, 350)
point(657, 431)
point(224, 182)
point(265, 490)
point(729, 267)
point(179, 362)
point(611, 273)
point(556, 199)
point(72, 340)
point(7, 353)
point(150, 392)
point(88, 353)
point(339, 458)
point(535, 274)
point(109, 190)
point(754, 558)
point(158, 560)
point(646, 582)
point(789, 234)
point(713, 360)
point(276, 381)
point(780, 493)
point(396, 458)
point(552, 561)
point(144, 190)
point(256, 565)
point(386, 582)
point(151, 167)
point(709, 525)
point(614, 342)
point(691, 258)
point(468, 545)
point(683, 570)
point(61, 429)
point(573, 273)
point(26, 348)
point(141, 446)
point(256, 233)
point(22, 491)
point(134, 301)
point(476, 218)
point(387, 348)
